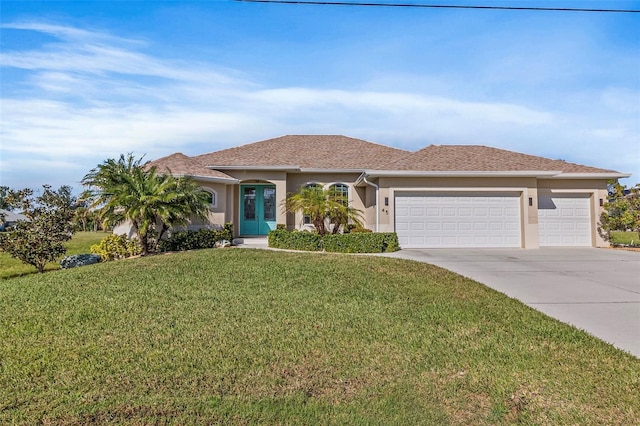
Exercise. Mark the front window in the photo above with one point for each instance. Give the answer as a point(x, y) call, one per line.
point(340, 193)
point(306, 219)
point(213, 197)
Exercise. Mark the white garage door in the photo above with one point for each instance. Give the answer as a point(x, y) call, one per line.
point(425, 220)
point(564, 220)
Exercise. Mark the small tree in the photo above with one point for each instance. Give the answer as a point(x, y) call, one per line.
point(40, 239)
point(323, 206)
point(622, 211)
point(125, 190)
point(4, 190)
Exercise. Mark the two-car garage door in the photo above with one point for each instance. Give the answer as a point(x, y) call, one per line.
point(471, 219)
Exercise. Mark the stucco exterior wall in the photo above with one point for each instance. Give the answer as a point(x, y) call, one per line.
point(218, 213)
point(295, 181)
point(378, 206)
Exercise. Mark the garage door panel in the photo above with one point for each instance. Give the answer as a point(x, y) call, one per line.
point(449, 226)
point(459, 220)
point(448, 212)
point(417, 226)
point(402, 211)
point(564, 220)
point(465, 226)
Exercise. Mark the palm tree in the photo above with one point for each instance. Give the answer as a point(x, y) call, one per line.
point(340, 212)
point(323, 206)
point(126, 191)
point(183, 199)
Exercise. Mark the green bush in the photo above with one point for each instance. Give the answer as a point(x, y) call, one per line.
point(358, 242)
point(192, 240)
point(283, 239)
point(356, 228)
point(115, 247)
point(362, 242)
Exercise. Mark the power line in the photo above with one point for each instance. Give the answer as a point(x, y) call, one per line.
point(438, 6)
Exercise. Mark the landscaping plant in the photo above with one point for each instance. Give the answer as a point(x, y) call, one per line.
point(39, 239)
point(622, 211)
point(127, 191)
point(324, 207)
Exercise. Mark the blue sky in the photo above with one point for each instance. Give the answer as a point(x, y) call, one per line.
point(85, 81)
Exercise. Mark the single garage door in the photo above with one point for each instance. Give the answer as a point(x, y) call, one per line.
point(473, 219)
point(564, 220)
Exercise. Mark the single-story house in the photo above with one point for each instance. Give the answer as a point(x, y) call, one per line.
point(439, 196)
point(9, 219)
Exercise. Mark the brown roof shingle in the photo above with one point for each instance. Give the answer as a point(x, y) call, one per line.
point(342, 152)
point(180, 164)
point(307, 151)
point(476, 158)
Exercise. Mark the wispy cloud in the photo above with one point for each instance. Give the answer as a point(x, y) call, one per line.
point(88, 96)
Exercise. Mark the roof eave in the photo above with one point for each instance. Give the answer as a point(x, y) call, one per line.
point(606, 175)
point(258, 168)
point(459, 173)
point(228, 181)
point(321, 170)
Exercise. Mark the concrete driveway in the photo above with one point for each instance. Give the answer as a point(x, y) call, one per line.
point(597, 290)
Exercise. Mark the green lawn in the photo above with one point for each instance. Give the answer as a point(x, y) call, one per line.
point(80, 243)
point(241, 336)
point(625, 237)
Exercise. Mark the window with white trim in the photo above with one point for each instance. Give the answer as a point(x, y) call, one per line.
point(341, 192)
point(306, 219)
point(213, 197)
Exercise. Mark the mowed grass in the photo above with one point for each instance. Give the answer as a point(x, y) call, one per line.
point(80, 243)
point(625, 237)
point(241, 336)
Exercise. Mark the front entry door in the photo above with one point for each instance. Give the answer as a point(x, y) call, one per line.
point(257, 209)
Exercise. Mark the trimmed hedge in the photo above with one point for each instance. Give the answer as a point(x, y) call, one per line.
point(362, 242)
point(192, 240)
point(295, 240)
point(365, 242)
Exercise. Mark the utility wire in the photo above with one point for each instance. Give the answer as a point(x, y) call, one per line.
point(439, 6)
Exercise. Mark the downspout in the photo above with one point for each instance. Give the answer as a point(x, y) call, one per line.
point(364, 179)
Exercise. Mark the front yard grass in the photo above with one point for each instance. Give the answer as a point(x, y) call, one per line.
point(80, 243)
point(625, 238)
point(241, 336)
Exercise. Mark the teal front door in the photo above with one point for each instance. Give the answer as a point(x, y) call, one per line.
point(257, 209)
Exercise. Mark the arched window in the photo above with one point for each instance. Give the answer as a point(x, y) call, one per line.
point(341, 192)
point(213, 200)
point(306, 219)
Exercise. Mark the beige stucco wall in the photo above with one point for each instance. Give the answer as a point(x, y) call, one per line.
point(295, 181)
point(372, 202)
point(218, 213)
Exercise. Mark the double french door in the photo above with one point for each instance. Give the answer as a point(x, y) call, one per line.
point(257, 209)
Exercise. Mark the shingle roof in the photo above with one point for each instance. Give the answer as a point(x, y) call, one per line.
point(10, 216)
point(341, 152)
point(476, 158)
point(180, 164)
point(307, 151)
